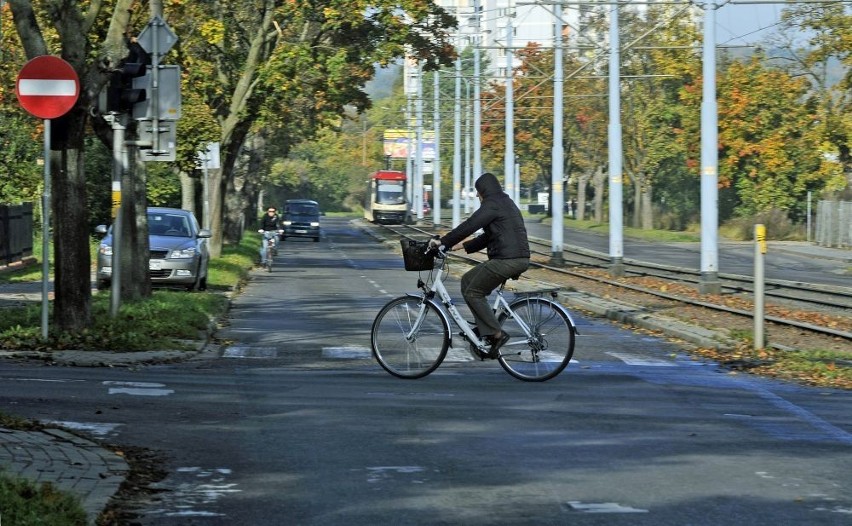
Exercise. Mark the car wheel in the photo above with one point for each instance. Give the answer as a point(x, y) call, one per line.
point(102, 285)
point(316, 239)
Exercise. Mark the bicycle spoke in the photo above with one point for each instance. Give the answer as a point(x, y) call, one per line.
point(543, 351)
point(407, 341)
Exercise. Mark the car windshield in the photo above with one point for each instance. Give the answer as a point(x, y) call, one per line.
point(303, 210)
point(168, 225)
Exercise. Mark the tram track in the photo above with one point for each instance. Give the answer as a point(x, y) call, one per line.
point(810, 309)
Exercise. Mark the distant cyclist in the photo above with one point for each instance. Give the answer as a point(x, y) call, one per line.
point(269, 223)
point(505, 238)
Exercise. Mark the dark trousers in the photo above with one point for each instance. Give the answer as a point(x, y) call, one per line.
point(478, 282)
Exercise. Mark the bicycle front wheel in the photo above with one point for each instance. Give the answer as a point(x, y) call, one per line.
point(542, 340)
point(410, 338)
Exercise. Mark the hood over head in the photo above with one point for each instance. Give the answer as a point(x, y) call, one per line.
point(488, 186)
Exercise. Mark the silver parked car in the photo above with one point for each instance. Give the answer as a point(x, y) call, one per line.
point(179, 254)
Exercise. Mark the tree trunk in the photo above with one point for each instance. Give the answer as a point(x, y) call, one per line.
point(137, 284)
point(72, 284)
point(648, 208)
point(637, 200)
point(599, 179)
point(582, 185)
point(187, 194)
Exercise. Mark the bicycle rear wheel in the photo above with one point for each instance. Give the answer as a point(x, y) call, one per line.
point(403, 351)
point(546, 350)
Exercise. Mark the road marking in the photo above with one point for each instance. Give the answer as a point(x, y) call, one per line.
point(191, 490)
point(602, 507)
point(100, 429)
point(138, 388)
point(244, 351)
point(646, 361)
point(352, 351)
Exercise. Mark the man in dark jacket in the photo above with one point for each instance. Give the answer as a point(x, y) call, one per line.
point(505, 238)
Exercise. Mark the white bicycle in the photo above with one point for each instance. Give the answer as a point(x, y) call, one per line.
point(411, 334)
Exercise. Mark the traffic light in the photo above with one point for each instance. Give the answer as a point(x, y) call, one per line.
point(120, 93)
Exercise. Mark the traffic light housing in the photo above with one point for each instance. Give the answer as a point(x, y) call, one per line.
point(120, 93)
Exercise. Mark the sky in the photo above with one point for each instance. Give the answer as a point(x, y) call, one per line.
point(746, 23)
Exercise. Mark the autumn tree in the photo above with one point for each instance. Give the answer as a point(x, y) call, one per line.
point(281, 69)
point(660, 60)
point(769, 152)
point(825, 59)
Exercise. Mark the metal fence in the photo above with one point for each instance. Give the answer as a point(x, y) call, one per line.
point(16, 232)
point(834, 224)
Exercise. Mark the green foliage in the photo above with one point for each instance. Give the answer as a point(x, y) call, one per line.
point(327, 170)
point(163, 185)
point(232, 267)
point(21, 143)
point(154, 323)
point(767, 154)
point(25, 503)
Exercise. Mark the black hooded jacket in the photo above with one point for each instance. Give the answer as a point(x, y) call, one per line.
point(505, 235)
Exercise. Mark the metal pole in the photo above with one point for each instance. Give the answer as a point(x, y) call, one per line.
point(409, 167)
point(418, 159)
point(556, 163)
point(436, 162)
point(205, 211)
point(759, 251)
point(616, 182)
point(477, 101)
point(119, 163)
point(467, 149)
point(709, 283)
point(45, 233)
point(517, 196)
point(509, 158)
point(457, 148)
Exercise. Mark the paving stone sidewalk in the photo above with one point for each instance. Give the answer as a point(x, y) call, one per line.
point(71, 463)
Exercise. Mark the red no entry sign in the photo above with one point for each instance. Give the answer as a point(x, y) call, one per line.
point(47, 87)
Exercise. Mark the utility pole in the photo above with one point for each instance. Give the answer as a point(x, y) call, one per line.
point(509, 157)
point(436, 162)
point(457, 147)
point(616, 181)
point(556, 162)
point(709, 159)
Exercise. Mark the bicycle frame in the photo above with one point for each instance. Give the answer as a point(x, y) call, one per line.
point(449, 307)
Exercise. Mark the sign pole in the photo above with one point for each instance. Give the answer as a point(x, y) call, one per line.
point(47, 87)
point(45, 233)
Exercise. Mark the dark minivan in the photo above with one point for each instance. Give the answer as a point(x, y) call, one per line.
point(301, 219)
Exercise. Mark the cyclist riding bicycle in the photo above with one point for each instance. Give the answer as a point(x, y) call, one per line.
point(505, 238)
point(269, 223)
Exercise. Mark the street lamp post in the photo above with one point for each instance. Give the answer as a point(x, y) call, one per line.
point(509, 157)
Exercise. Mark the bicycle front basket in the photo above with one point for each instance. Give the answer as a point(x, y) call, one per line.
point(414, 255)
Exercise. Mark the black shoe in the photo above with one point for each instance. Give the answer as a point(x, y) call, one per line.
point(496, 343)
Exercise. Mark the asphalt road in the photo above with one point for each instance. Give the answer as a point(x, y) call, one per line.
point(292, 423)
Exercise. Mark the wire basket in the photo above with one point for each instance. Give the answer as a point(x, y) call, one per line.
point(414, 255)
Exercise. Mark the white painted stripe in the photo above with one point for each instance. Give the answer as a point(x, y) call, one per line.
point(95, 428)
point(135, 391)
point(353, 351)
point(239, 351)
point(47, 87)
point(602, 507)
point(646, 361)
